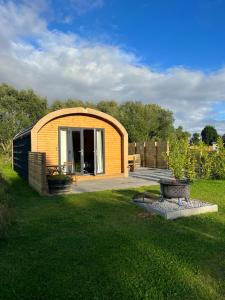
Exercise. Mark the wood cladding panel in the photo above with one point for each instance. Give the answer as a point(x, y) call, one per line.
point(47, 140)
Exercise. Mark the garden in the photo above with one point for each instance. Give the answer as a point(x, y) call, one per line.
point(101, 246)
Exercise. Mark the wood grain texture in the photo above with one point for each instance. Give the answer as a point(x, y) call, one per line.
point(152, 153)
point(37, 172)
point(47, 140)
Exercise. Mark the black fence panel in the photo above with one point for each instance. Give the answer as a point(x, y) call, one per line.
point(21, 148)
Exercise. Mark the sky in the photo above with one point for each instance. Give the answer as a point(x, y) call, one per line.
point(169, 52)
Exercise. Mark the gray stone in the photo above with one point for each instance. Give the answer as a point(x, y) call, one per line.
point(170, 209)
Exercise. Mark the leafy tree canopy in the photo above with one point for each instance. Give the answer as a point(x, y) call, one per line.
point(181, 134)
point(195, 139)
point(18, 109)
point(223, 138)
point(209, 135)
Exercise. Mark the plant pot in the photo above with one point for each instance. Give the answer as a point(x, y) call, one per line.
point(175, 189)
point(59, 185)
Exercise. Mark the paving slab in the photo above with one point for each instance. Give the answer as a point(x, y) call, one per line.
point(152, 174)
point(170, 209)
point(110, 184)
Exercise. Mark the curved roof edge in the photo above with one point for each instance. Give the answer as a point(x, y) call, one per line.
point(77, 110)
point(23, 132)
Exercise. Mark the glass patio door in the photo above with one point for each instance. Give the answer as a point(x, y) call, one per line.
point(63, 147)
point(99, 151)
point(81, 150)
point(75, 150)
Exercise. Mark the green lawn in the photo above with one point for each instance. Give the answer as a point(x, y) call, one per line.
point(97, 246)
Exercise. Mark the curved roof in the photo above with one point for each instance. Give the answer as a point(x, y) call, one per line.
point(23, 132)
point(78, 110)
point(73, 111)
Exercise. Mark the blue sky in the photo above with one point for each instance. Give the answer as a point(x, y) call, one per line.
point(166, 52)
point(162, 33)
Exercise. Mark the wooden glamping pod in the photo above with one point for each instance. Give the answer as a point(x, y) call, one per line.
point(90, 143)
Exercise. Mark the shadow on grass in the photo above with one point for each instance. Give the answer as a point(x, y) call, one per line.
point(6, 211)
point(93, 246)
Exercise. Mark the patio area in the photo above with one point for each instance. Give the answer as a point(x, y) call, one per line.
point(141, 177)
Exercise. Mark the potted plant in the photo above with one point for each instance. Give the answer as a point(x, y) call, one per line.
point(59, 184)
point(182, 164)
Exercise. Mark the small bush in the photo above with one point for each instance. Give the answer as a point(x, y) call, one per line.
point(176, 158)
point(205, 162)
point(218, 161)
point(201, 162)
point(190, 165)
point(180, 159)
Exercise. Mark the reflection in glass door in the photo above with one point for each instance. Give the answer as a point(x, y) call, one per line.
point(82, 150)
point(77, 151)
point(99, 166)
point(63, 149)
point(88, 150)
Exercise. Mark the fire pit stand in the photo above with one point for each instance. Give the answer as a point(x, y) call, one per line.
point(170, 189)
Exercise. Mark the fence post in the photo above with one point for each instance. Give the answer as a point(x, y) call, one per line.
point(156, 154)
point(140, 149)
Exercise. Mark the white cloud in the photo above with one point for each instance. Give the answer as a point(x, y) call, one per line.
point(59, 65)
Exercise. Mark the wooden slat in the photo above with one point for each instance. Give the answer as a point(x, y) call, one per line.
point(48, 140)
point(151, 153)
point(37, 172)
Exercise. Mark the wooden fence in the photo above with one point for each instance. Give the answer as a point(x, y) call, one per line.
point(37, 172)
point(151, 153)
point(134, 161)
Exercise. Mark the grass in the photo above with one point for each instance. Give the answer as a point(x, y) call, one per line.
point(98, 246)
point(6, 216)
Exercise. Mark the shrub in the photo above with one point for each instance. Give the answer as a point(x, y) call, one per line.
point(218, 161)
point(190, 165)
point(176, 159)
point(205, 162)
point(184, 162)
point(180, 160)
point(212, 163)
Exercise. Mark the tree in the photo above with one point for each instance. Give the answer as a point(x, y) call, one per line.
point(159, 121)
point(18, 110)
point(209, 135)
point(132, 116)
point(109, 107)
point(181, 134)
point(195, 140)
point(223, 138)
point(144, 122)
point(59, 104)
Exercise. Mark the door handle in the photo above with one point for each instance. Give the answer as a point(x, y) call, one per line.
point(81, 152)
